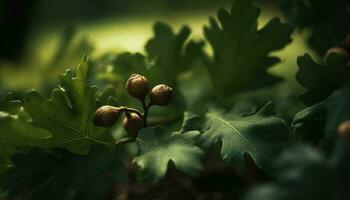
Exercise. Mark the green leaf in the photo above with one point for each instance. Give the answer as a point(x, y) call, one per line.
point(122, 66)
point(304, 174)
point(16, 131)
point(9, 104)
point(196, 88)
point(170, 54)
point(68, 113)
point(328, 21)
point(261, 135)
point(158, 148)
point(322, 119)
point(321, 80)
point(241, 50)
point(63, 175)
point(5, 157)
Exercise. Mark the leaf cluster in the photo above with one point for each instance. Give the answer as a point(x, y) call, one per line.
point(51, 149)
point(328, 20)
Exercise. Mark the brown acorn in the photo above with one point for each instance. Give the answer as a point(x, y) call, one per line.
point(137, 86)
point(344, 130)
point(161, 95)
point(133, 123)
point(106, 116)
point(338, 50)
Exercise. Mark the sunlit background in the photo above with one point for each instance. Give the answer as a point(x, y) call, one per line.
point(38, 35)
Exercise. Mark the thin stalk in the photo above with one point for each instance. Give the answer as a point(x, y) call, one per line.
point(145, 112)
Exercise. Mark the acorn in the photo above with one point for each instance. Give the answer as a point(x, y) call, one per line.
point(338, 50)
point(344, 130)
point(161, 95)
point(106, 116)
point(137, 86)
point(133, 123)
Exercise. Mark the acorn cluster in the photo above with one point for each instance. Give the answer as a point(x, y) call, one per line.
point(138, 87)
point(342, 50)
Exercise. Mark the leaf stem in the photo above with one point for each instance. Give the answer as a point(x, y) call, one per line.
point(145, 112)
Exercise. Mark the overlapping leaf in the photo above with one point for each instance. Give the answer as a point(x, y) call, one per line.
point(9, 104)
point(121, 66)
point(324, 118)
point(327, 97)
point(321, 80)
point(328, 20)
point(305, 174)
point(158, 148)
point(61, 175)
point(261, 135)
point(15, 130)
point(170, 54)
point(68, 113)
point(241, 50)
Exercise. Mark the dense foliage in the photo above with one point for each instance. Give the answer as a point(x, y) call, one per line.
point(55, 148)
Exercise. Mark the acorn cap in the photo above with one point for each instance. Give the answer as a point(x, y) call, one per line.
point(344, 130)
point(106, 116)
point(133, 123)
point(137, 86)
point(338, 50)
point(161, 95)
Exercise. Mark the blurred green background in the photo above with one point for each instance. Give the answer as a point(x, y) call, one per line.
point(40, 39)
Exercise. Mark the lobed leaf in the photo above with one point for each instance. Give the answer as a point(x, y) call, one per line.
point(158, 148)
point(328, 21)
point(68, 113)
point(321, 80)
point(16, 131)
point(241, 50)
point(324, 117)
point(60, 174)
point(306, 174)
point(261, 135)
point(168, 55)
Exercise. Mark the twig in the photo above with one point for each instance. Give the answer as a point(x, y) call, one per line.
point(145, 112)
